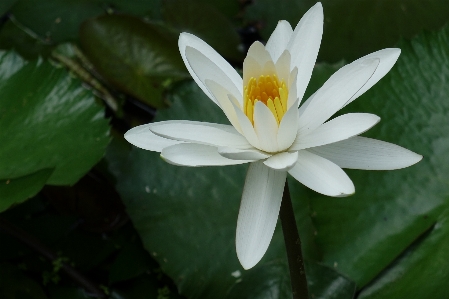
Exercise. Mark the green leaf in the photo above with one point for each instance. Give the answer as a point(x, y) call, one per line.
point(135, 56)
point(355, 28)
point(14, 284)
point(205, 25)
point(129, 263)
point(55, 21)
point(13, 191)
point(150, 9)
point(5, 5)
point(48, 120)
point(385, 241)
point(374, 237)
point(187, 218)
point(14, 36)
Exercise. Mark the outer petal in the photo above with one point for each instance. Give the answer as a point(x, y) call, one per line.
point(337, 129)
point(190, 40)
point(337, 90)
point(388, 58)
point(367, 153)
point(292, 94)
point(258, 213)
point(206, 69)
point(279, 39)
point(321, 175)
point(282, 161)
point(242, 154)
point(304, 45)
point(200, 132)
point(288, 128)
point(142, 137)
point(195, 155)
point(266, 128)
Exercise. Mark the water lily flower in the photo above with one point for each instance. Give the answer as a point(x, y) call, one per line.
point(271, 130)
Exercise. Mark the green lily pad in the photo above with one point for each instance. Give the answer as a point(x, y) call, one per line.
point(187, 218)
point(13, 191)
point(48, 120)
point(205, 24)
point(15, 37)
point(354, 28)
point(5, 5)
point(133, 55)
point(393, 230)
point(378, 242)
point(55, 21)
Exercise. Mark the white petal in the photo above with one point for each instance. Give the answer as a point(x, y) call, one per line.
point(247, 127)
point(251, 68)
point(292, 94)
point(282, 161)
point(304, 105)
point(304, 45)
point(190, 40)
point(367, 153)
point(200, 132)
point(224, 102)
point(288, 128)
point(269, 68)
point(321, 175)
point(337, 129)
point(258, 213)
point(258, 52)
point(283, 67)
point(242, 154)
point(206, 69)
point(142, 137)
point(337, 90)
point(279, 39)
point(388, 58)
point(195, 155)
point(266, 128)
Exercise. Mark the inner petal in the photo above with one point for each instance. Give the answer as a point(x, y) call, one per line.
point(268, 89)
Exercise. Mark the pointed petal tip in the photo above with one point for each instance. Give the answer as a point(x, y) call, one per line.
point(246, 261)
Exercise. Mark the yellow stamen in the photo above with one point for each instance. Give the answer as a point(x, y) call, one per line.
point(270, 106)
point(279, 109)
point(269, 90)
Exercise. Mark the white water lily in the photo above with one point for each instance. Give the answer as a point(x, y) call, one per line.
point(269, 131)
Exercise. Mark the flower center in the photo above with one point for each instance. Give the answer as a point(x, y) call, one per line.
point(268, 90)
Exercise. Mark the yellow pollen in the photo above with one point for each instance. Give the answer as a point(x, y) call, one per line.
point(268, 90)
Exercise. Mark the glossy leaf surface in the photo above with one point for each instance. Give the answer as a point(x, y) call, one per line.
point(48, 120)
point(133, 55)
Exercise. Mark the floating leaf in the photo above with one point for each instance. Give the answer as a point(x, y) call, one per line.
point(205, 25)
point(355, 28)
point(16, 190)
point(48, 120)
point(394, 229)
point(135, 56)
point(55, 21)
point(187, 218)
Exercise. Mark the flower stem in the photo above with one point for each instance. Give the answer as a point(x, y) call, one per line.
point(293, 246)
